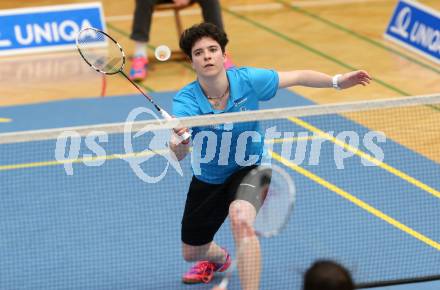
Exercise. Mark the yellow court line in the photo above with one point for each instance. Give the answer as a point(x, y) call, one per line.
point(277, 157)
point(365, 206)
point(293, 139)
point(368, 157)
point(78, 160)
point(121, 156)
point(5, 120)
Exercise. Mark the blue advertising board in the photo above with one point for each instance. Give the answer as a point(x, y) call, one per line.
point(416, 27)
point(46, 28)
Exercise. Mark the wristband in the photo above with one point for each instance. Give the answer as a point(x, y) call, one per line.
point(335, 82)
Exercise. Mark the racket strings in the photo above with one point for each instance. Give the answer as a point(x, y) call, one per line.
point(277, 205)
point(108, 61)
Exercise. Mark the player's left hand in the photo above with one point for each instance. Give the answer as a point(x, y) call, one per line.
point(359, 77)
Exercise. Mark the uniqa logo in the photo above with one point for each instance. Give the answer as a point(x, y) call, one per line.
point(402, 22)
point(50, 32)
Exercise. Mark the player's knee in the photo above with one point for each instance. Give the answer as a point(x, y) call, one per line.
point(241, 210)
point(241, 215)
point(235, 215)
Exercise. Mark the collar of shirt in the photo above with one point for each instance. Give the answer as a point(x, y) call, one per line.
point(234, 95)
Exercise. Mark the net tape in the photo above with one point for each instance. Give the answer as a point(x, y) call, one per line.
point(216, 119)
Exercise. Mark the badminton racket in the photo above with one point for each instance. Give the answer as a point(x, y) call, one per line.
point(87, 42)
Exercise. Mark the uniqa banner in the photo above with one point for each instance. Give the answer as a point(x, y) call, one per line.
point(46, 28)
point(416, 27)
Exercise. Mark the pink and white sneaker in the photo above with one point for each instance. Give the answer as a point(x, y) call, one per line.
point(203, 271)
point(138, 70)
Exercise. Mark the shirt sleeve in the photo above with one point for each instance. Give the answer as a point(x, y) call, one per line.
point(264, 82)
point(184, 104)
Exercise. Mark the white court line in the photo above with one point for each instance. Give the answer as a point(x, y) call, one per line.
point(249, 8)
point(256, 7)
point(196, 11)
point(317, 3)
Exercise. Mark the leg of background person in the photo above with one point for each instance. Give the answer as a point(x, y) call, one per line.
point(140, 33)
point(212, 12)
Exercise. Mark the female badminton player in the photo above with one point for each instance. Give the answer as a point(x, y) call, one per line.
point(211, 194)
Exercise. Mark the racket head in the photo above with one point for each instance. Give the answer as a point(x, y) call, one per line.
point(110, 62)
point(274, 197)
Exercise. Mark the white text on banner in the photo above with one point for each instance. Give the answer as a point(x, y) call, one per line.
point(46, 28)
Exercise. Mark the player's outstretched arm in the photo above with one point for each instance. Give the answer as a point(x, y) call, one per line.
point(314, 79)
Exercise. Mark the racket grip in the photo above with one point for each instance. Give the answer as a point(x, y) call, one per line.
point(185, 136)
point(165, 115)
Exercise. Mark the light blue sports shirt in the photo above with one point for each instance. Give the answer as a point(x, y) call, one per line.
point(220, 150)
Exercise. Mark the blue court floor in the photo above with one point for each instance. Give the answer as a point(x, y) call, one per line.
point(104, 228)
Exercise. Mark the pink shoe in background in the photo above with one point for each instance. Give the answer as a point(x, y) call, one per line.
point(138, 70)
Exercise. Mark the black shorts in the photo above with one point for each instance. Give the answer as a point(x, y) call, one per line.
point(207, 206)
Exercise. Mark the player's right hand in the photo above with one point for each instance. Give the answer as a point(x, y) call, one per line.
point(179, 132)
